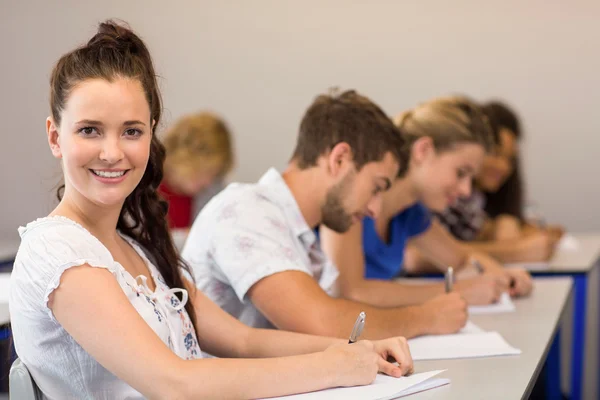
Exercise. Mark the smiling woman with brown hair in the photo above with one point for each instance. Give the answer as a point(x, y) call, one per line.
point(99, 304)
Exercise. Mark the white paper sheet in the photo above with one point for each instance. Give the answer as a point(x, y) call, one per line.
point(568, 242)
point(383, 388)
point(471, 345)
point(471, 328)
point(4, 285)
point(504, 305)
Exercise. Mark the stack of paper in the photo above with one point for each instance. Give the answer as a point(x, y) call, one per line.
point(467, 345)
point(383, 388)
point(505, 304)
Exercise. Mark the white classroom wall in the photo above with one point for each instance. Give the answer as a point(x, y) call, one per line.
point(259, 63)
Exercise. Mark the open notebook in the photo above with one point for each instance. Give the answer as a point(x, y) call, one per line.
point(383, 388)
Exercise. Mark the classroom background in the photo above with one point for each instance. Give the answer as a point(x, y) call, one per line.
point(260, 63)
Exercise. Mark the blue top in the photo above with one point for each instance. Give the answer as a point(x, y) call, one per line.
point(384, 260)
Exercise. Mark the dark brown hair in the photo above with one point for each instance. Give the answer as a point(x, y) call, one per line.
point(503, 116)
point(509, 199)
point(348, 118)
point(116, 52)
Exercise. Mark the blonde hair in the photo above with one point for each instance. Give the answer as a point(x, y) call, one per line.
point(448, 121)
point(197, 143)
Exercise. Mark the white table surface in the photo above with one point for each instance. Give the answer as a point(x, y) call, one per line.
point(581, 259)
point(531, 328)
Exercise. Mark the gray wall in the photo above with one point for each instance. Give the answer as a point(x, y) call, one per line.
point(260, 63)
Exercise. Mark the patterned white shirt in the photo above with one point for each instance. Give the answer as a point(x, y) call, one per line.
point(59, 365)
point(246, 233)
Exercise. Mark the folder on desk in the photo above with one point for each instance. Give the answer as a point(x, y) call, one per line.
point(383, 388)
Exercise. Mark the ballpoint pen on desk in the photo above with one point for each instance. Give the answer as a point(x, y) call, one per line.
point(358, 327)
point(449, 279)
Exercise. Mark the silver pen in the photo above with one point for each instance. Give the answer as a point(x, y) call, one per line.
point(358, 327)
point(449, 279)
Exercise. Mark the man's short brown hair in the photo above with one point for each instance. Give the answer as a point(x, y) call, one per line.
point(350, 118)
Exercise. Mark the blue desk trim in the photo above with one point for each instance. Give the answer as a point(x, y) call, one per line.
point(580, 284)
point(6, 265)
point(553, 363)
point(578, 345)
point(4, 332)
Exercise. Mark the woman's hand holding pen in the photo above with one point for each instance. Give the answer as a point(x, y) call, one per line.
point(358, 363)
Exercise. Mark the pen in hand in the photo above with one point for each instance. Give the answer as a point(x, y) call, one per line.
point(449, 279)
point(479, 268)
point(358, 327)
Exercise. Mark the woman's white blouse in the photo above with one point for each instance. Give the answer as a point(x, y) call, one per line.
point(60, 367)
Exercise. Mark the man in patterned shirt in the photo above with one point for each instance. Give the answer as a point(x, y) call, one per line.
point(253, 248)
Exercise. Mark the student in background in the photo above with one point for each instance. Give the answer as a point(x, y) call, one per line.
point(445, 141)
point(199, 156)
point(99, 305)
point(253, 248)
point(492, 217)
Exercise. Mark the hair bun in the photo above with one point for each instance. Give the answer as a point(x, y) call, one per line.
point(118, 36)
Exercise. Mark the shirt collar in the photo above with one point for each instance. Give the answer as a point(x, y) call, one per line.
point(273, 179)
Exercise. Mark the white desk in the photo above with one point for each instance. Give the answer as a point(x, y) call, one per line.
point(531, 328)
point(580, 337)
point(571, 261)
point(581, 260)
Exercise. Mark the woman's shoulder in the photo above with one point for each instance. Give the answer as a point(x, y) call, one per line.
point(59, 240)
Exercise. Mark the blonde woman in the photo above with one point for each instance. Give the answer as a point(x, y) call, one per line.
point(446, 140)
point(199, 155)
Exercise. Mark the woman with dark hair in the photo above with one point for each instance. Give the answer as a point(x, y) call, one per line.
point(100, 305)
point(492, 218)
